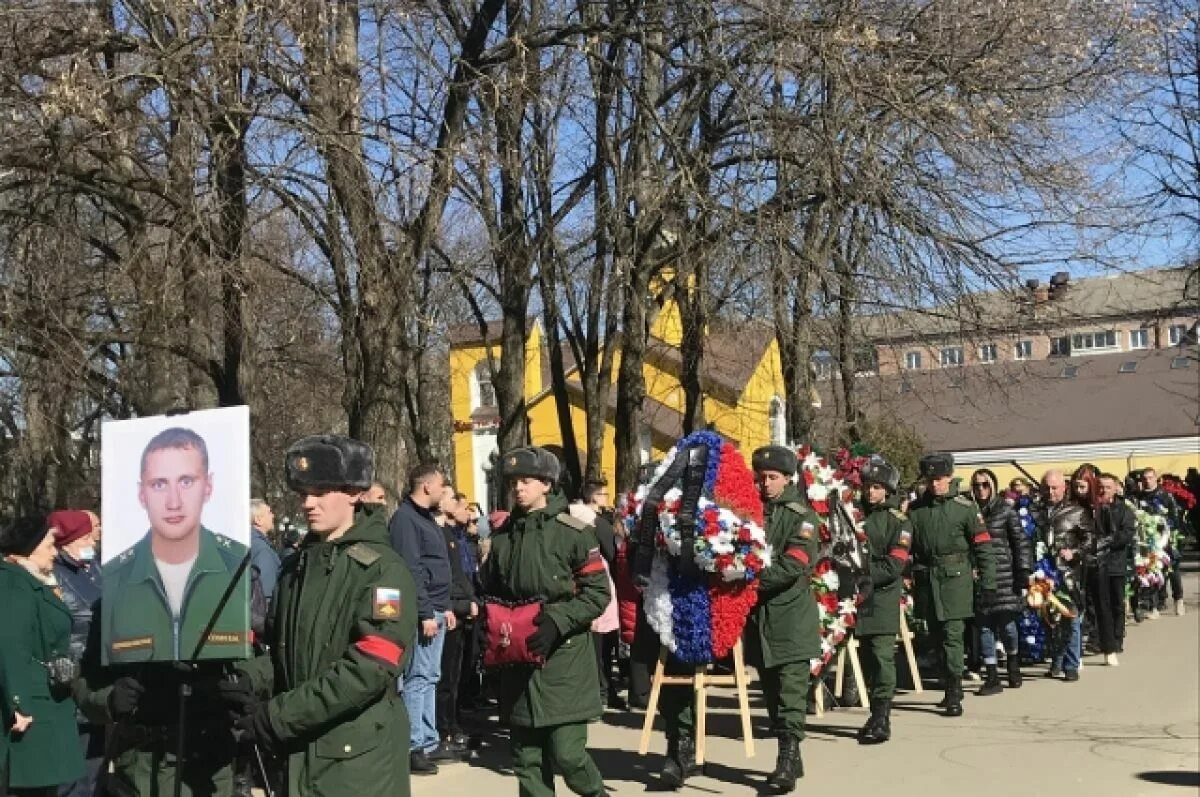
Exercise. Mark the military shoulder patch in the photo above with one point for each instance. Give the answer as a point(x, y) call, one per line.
point(567, 519)
point(386, 605)
point(806, 530)
point(905, 539)
point(362, 554)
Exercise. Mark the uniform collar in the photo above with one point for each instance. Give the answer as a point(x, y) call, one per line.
point(208, 559)
point(369, 526)
point(790, 495)
point(556, 503)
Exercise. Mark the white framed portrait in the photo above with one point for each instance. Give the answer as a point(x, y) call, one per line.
point(175, 492)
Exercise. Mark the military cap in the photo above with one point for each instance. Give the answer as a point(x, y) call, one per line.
point(937, 465)
point(532, 461)
point(878, 471)
point(777, 458)
point(329, 462)
point(20, 536)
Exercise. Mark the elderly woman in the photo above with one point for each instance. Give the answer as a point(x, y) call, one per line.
point(996, 613)
point(41, 743)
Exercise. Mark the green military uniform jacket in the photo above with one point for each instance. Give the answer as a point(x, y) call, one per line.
point(950, 542)
point(344, 617)
point(889, 544)
point(136, 621)
point(36, 628)
point(784, 626)
point(550, 554)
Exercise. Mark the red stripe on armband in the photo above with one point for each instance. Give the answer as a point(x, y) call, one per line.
point(590, 567)
point(899, 553)
point(799, 554)
point(982, 536)
point(379, 648)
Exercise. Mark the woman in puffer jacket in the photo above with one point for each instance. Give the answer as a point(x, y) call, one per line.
point(996, 613)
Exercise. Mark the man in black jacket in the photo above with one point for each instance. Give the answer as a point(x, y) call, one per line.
point(420, 542)
point(1105, 560)
point(464, 608)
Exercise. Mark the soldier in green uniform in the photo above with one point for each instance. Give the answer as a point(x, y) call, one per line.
point(543, 552)
point(325, 696)
point(782, 633)
point(889, 541)
point(160, 594)
point(950, 550)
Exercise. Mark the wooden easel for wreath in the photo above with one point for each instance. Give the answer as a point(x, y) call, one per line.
point(850, 651)
point(700, 680)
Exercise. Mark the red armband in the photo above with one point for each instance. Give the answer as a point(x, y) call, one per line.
point(593, 564)
point(382, 650)
point(899, 553)
point(982, 537)
point(799, 554)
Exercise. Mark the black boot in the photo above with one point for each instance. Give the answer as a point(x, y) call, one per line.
point(1014, 671)
point(681, 761)
point(879, 727)
point(954, 696)
point(788, 766)
point(991, 684)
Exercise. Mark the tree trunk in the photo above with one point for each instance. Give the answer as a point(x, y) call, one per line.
point(631, 382)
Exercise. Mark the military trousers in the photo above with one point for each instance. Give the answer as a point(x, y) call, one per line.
point(785, 690)
point(878, 653)
point(539, 752)
point(949, 635)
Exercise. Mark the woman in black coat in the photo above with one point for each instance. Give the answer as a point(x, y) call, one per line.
point(996, 613)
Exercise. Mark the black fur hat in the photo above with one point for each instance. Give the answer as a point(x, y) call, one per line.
point(777, 458)
point(21, 535)
point(532, 461)
point(937, 465)
point(329, 462)
point(878, 471)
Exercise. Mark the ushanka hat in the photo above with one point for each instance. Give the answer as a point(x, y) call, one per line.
point(937, 465)
point(532, 462)
point(878, 471)
point(329, 462)
point(776, 458)
point(21, 535)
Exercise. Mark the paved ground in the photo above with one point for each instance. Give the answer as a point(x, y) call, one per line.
point(1126, 731)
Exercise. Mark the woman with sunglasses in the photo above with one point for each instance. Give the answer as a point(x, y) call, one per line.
point(1105, 555)
point(996, 613)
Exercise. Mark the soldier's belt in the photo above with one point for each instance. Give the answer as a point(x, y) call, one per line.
point(951, 559)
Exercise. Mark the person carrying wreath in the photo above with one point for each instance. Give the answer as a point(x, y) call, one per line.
point(783, 631)
point(889, 540)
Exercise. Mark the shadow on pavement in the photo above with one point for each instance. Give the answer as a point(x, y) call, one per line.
point(1168, 778)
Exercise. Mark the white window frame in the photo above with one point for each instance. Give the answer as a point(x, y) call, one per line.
point(1176, 333)
point(950, 350)
point(985, 350)
point(1139, 339)
point(911, 357)
point(1023, 350)
point(1089, 342)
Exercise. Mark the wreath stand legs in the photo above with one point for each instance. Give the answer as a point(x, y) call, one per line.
point(700, 680)
point(847, 651)
point(906, 639)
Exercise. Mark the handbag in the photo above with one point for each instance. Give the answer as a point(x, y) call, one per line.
point(506, 630)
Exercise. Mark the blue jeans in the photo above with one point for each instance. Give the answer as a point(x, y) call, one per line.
point(988, 629)
point(1069, 658)
point(420, 689)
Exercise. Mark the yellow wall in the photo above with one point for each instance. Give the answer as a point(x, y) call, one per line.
point(1163, 463)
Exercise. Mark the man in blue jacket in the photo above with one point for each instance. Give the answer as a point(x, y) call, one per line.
point(418, 539)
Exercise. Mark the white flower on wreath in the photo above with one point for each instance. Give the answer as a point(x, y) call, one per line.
point(830, 580)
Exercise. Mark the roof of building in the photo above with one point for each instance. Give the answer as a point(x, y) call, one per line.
point(1157, 292)
point(1041, 403)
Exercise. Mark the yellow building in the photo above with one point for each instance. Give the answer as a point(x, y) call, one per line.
point(741, 378)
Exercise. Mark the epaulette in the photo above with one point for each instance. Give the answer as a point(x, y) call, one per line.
point(124, 556)
point(362, 554)
point(898, 514)
point(222, 540)
point(567, 519)
point(796, 507)
point(965, 500)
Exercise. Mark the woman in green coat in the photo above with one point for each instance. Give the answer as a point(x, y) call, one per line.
point(41, 742)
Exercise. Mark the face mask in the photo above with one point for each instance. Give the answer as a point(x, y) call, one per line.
point(87, 554)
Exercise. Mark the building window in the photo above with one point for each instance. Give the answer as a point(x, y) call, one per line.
point(822, 365)
point(777, 419)
point(1023, 350)
point(912, 360)
point(485, 394)
point(951, 356)
point(1177, 334)
point(1139, 339)
point(1094, 341)
point(1060, 347)
point(987, 353)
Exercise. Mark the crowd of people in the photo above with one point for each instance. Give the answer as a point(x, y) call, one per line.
point(369, 628)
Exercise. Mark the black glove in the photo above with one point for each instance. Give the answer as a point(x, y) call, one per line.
point(124, 698)
point(543, 640)
point(238, 698)
point(255, 728)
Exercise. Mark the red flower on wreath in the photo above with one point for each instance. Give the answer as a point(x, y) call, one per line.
point(731, 604)
point(820, 507)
